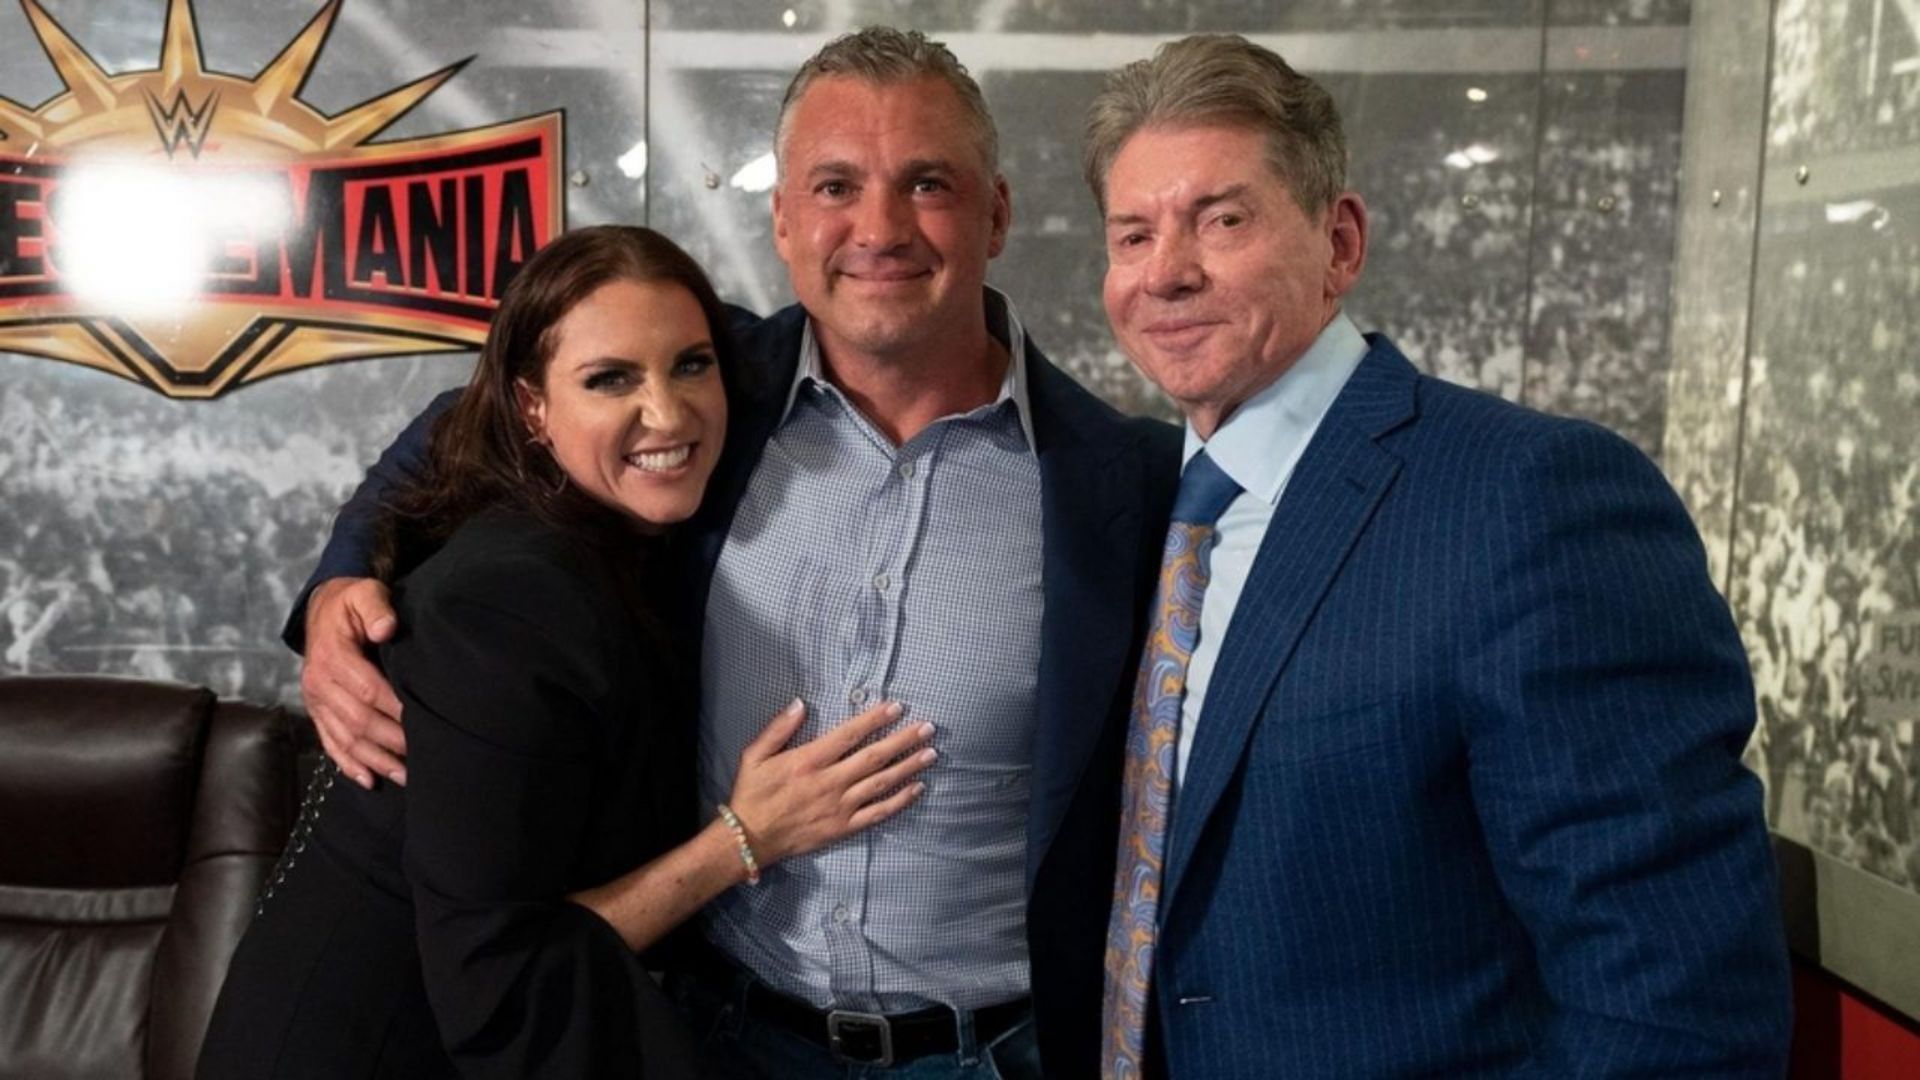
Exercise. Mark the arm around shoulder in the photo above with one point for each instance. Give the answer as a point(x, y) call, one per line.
point(349, 549)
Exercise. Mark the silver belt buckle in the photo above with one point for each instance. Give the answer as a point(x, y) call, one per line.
point(852, 1035)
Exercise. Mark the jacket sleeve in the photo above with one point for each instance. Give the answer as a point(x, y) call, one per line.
point(1614, 700)
point(349, 550)
point(503, 667)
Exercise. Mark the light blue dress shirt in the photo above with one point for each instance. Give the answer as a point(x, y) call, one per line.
point(857, 571)
point(1258, 446)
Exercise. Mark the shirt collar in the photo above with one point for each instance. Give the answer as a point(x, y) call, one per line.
point(1003, 322)
point(1263, 440)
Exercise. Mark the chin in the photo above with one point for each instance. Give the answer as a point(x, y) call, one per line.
point(654, 517)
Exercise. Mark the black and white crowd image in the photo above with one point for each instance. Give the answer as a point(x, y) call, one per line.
point(1826, 556)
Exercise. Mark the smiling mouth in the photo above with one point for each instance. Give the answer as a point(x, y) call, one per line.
point(659, 461)
point(1178, 332)
point(885, 278)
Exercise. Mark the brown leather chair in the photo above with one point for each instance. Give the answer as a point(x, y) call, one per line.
point(137, 824)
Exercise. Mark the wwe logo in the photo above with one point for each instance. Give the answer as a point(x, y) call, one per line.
point(180, 124)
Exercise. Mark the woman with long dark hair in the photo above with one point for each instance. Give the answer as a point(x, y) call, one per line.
point(486, 918)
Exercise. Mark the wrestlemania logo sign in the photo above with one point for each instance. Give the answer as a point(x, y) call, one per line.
point(195, 231)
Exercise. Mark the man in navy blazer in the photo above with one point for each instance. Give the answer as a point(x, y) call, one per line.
point(888, 211)
point(1456, 789)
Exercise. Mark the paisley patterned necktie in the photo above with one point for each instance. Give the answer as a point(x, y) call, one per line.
point(1152, 736)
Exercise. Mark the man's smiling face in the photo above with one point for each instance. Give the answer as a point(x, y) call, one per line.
point(886, 214)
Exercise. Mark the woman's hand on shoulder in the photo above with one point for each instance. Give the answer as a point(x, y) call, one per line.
point(793, 800)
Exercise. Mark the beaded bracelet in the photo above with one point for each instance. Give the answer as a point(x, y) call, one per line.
point(740, 838)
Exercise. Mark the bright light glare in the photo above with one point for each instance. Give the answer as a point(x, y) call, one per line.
point(1471, 156)
point(1848, 212)
point(757, 175)
point(137, 241)
point(1476, 95)
point(633, 163)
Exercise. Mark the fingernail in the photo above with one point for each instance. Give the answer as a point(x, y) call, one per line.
point(929, 754)
point(926, 731)
point(399, 776)
point(365, 780)
point(380, 626)
point(895, 711)
point(793, 707)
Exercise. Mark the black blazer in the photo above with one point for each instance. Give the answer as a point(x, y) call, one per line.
point(422, 931)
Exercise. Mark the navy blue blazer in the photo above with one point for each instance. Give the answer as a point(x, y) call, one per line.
point(1107, 483)
point(1466, 796)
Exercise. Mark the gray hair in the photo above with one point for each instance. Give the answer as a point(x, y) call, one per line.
point(1227, 80)
point(884, 56)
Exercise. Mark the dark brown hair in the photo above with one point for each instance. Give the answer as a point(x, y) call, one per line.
point(480, 454)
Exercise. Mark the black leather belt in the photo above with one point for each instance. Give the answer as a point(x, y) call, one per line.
point(859, 1038)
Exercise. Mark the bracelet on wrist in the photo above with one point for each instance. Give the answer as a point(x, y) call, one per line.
point(740, 841)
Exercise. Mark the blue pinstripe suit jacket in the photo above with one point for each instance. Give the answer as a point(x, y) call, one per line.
point(1466, 797)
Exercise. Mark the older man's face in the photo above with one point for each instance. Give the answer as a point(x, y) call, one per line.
point(886, 215)
point(1217, 280)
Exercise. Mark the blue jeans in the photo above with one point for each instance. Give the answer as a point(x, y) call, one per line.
point(739, 1047)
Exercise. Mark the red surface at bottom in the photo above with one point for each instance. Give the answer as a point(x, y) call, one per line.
point(1838, 1034)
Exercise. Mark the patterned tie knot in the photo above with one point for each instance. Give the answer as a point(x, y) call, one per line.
point(1205, 492)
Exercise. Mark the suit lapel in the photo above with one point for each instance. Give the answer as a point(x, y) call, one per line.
point(768, 352)
point(1328, 503)
point(1091, 484)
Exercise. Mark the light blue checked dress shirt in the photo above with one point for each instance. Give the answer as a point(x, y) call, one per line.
point(857, 571)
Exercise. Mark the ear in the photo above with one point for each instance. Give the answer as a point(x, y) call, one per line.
point(780, 221)
point(1347, 232)
point(533, 409)
point(1002, 216)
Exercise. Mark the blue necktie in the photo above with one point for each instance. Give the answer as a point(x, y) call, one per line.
point(1152, 738)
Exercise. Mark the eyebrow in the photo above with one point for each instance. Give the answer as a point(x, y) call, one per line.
point(922, 166)
point(703, 347)
point(835, 167)
point(605, 362)
point(1212, 198)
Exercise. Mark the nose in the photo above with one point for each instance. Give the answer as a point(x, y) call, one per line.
point(882, 220)
point(1173, 268)
point(663, 407)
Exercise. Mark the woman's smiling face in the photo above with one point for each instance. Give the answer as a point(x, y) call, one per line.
point(631, 403)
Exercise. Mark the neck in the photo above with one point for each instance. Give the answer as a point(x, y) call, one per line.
point(903, 394)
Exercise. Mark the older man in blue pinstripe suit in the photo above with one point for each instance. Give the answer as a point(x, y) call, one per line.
point(1434, 763)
